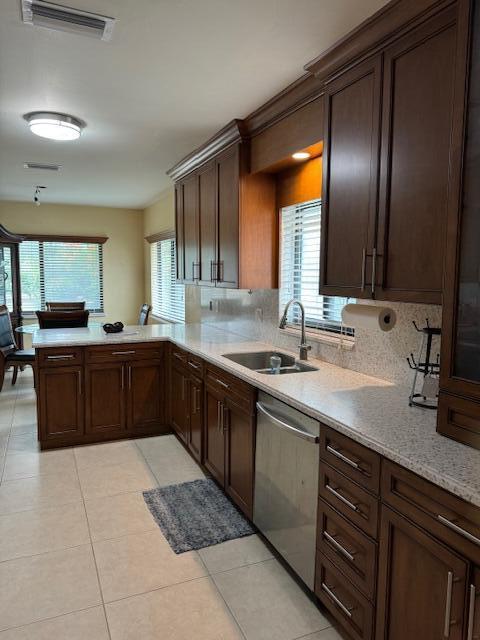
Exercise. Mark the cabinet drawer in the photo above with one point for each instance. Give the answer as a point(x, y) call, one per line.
point(178, 355)
point(442, 514)
point(348, 606)
point(347, 547)
point(354, 460)
point(237, 391)
point(60, 356)
point(459, 418)
point(119, 352)
point(356, 504)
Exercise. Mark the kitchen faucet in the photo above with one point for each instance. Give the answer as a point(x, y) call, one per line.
point(304, 347)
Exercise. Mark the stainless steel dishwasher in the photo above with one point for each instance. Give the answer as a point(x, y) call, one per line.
point(286, 483)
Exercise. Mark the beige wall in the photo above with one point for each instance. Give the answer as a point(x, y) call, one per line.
point(123, 252)
point(160, 216)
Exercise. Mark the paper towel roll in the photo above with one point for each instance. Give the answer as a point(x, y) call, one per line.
point(365, 316)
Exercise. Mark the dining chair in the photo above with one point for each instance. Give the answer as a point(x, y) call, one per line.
point(10, 355)
point(64, 306)
point(144, 313)
point(62, 319)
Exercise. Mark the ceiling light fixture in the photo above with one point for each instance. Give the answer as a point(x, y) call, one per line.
point(301, 155)
point(54, 126)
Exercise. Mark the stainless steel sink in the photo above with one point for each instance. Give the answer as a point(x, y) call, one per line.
point(260, 361)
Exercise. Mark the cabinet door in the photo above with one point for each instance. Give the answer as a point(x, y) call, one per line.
point(208, 259)
point(228, 169)
point(214, 435)
point(195, 430)
point(179, 404)
point(105, 397)
point(190, 228)
point(145, 398)
point(180, 241)
point(350, 182)
point(61, 403)
point(240, 429)
point(415, 161)
point(421, 584)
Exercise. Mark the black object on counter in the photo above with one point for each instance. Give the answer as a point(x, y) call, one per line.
point(116, 327)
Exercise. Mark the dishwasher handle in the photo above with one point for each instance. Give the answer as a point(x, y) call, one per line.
point(287, 427)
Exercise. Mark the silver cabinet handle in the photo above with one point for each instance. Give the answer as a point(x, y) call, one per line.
point(219, 415)
point(338, 546)
point(194, 365)
point(338, 495)
point(448, 605)
point(471, 611)
point(374, 269)
point(287, 427)
point(129, 377)
point(364, 267)
point(65, 357)
point(340, 456)
point(213, 268)
point(123, 377)
point(222, 384)
point(339, 603)
point(79, 373)
point(454, 527)
point(122, 353)
point(196, 400)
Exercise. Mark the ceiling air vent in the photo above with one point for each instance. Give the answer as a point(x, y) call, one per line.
point(61, 18)
point(42, 165)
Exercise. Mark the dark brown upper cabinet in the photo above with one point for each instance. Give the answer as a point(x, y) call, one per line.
point(386, 169)
point(350, 174)
point(226, 220)
point(415, 159)
point(459, 400)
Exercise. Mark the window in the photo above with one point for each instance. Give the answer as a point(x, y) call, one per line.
point(168, 296)
point(300, 270)
point(61, 272)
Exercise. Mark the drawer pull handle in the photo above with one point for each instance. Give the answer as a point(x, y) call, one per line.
point(194, 365)
point(338, 546)
point(179, 356)
point(343, 458)
point(122, 353)
point(471, 611)
point(65, 357)
point(347, 611)
point(222, 384)
point(345, 501)
point(454, 527)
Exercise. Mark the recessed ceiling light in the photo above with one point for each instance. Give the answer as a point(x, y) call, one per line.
point(55, 126)
point(301, 155)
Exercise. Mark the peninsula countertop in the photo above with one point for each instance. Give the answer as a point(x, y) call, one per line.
point(369, 410)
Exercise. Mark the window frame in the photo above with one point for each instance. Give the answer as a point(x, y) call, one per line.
point(41, 239)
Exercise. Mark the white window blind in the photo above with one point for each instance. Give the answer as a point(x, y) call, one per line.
point(61, 272)
point(300, 270)
point(168, 296)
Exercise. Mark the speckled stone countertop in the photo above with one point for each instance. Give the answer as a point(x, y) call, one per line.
point(368, 410)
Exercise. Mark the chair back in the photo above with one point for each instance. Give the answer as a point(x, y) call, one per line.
point(62, 319)
point(7, 339)
point(64, 306)
point(144, 313)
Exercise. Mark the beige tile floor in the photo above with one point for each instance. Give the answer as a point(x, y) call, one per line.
point(82, 559)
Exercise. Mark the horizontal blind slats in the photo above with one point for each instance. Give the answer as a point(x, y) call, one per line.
point(300, 269)
point(168, 296)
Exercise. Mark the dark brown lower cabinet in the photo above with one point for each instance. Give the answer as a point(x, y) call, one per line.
point(214, 434)
point(230, 441)
point(179, 405)
point(239, 427)
point(145, 394)
point(195, 427)
point(60, 403)
point(421, 585)
point(105, 398)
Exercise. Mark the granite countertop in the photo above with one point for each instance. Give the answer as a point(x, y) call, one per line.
point(369, 410)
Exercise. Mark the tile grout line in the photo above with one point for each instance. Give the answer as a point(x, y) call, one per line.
point(93, 550)
point(61, 615)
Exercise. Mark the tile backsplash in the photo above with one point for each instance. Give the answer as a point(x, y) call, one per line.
point(256, 315)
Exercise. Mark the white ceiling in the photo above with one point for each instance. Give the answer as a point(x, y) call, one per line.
point(174, 73)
